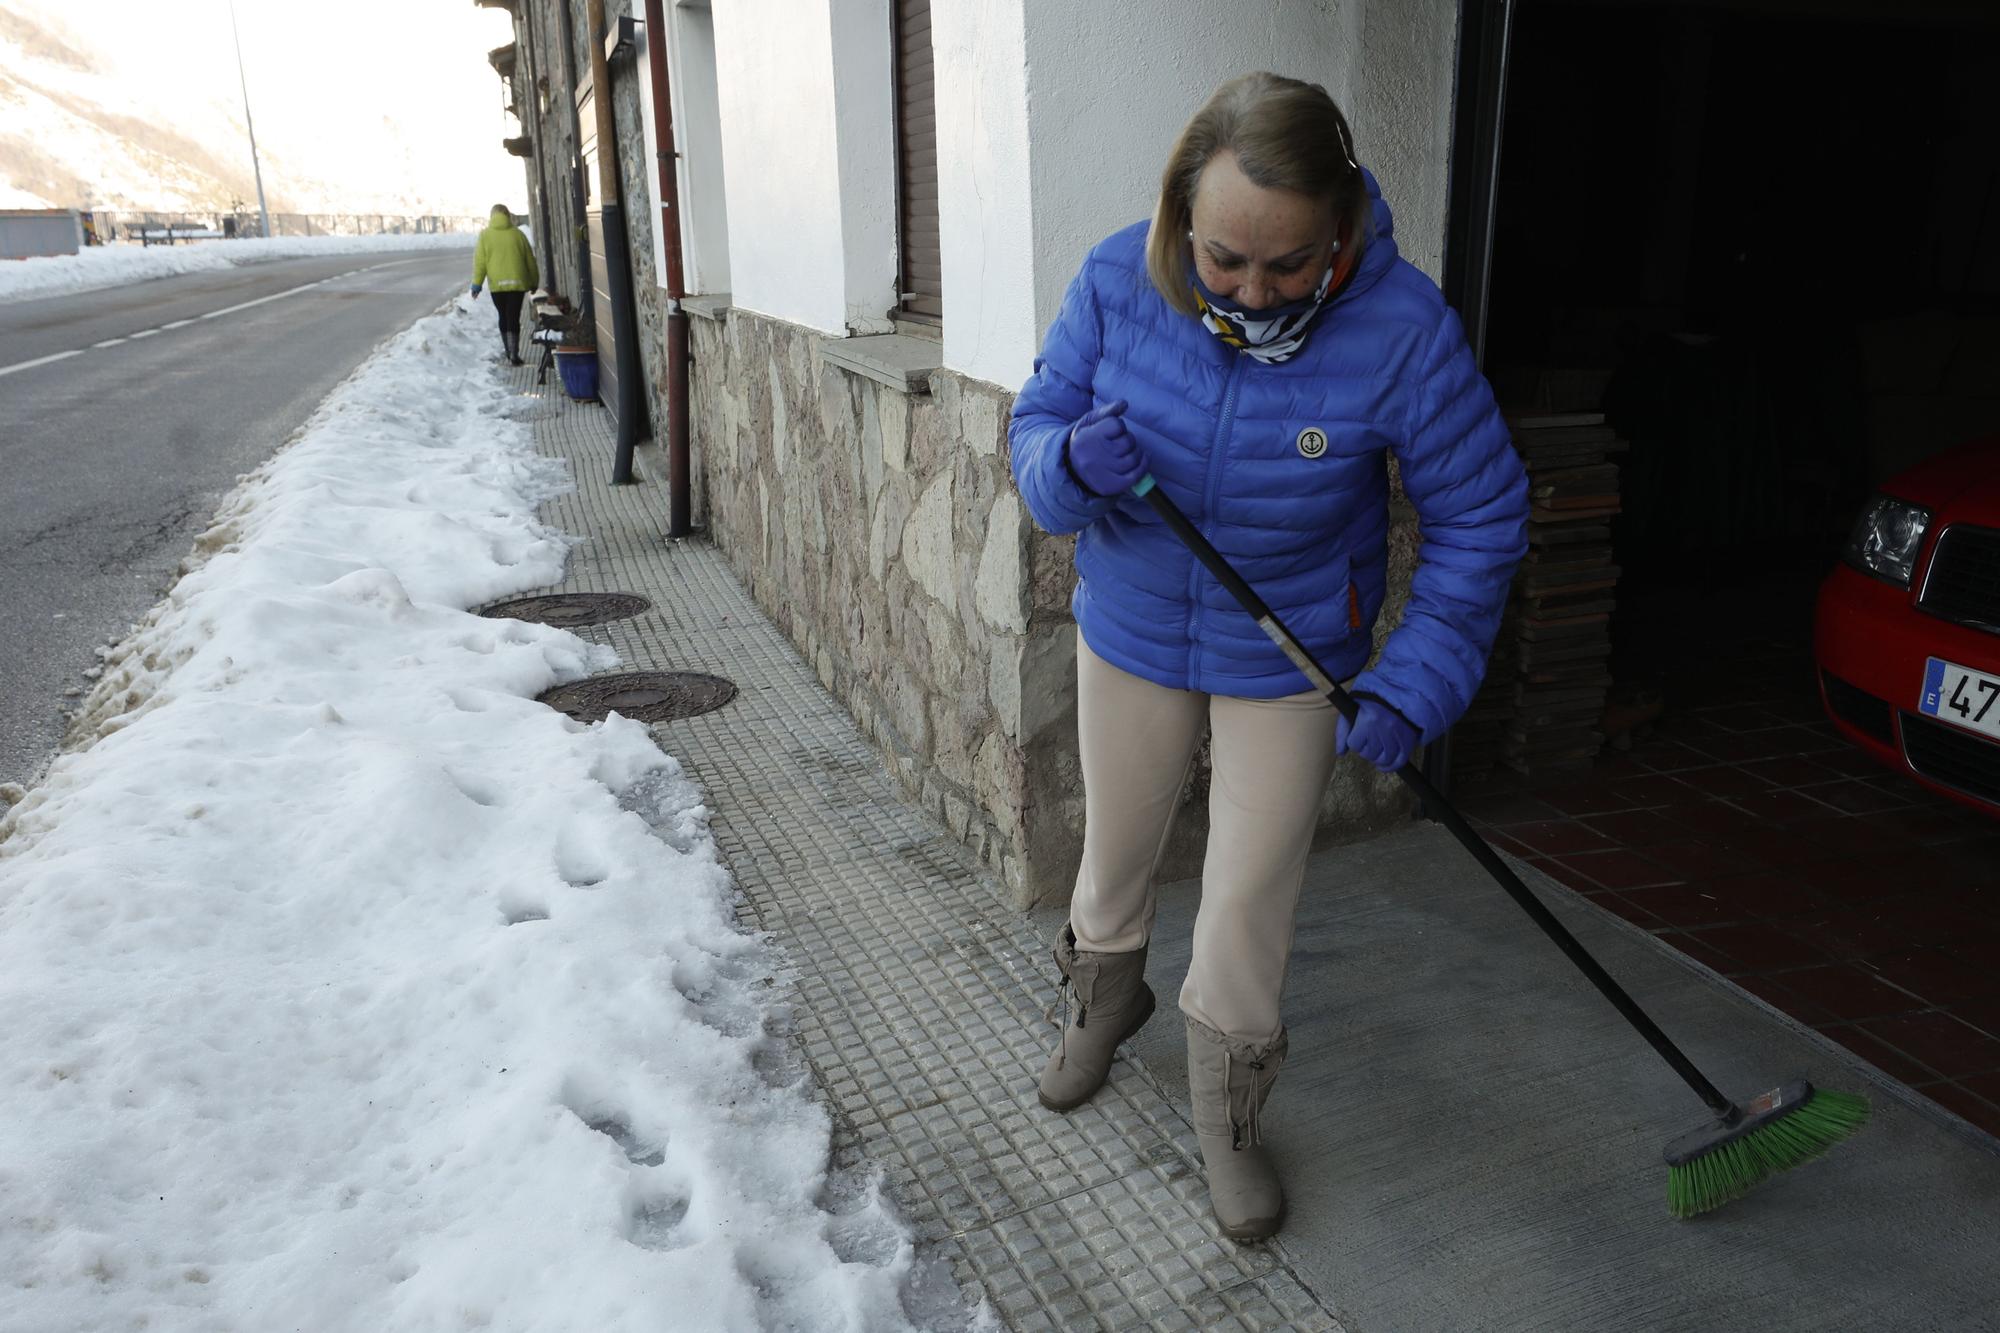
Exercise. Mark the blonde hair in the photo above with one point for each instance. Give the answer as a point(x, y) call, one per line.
point(1287, 135)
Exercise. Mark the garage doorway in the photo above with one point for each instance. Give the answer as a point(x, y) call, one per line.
point(1758, 244)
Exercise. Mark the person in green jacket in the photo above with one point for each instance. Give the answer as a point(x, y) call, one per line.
point(504, 260)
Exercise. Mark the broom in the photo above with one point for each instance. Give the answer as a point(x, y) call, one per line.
point(1749, 1141)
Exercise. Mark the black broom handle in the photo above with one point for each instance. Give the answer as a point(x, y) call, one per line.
point(1440, 808)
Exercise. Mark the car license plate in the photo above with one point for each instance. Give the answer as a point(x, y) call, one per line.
point(1960, 694)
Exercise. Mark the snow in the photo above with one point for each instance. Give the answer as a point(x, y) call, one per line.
point(13, 196)
point(117, 265)
point(347, 987)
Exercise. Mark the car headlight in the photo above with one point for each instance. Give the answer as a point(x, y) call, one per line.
point(1886, 539)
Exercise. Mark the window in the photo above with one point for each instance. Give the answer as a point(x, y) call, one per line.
point(920, 284)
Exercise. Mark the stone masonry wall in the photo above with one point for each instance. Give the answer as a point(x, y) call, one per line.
point(858, 517)
point(538, 36)
point(883, 533)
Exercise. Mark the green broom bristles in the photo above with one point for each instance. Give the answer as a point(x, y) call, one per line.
point(1733, 1169)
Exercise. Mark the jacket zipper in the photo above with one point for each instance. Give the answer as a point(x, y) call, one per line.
point(1207, 525)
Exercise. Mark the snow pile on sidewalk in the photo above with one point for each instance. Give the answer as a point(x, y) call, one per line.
point(117, 265)
point(345, 987)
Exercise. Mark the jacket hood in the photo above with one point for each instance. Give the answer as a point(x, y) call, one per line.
point(1380, 254)
point(501, 218)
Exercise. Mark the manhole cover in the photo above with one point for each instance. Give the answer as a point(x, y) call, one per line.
point(644, 696)
point(568, 610)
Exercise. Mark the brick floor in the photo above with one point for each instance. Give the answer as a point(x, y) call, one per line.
point(1747, 834)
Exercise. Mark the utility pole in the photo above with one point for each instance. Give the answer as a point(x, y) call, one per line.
point(263, 213)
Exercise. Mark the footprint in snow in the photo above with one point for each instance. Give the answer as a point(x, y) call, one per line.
point(639, 1149)
point(476, 790)
point(717, 990)
point(778, 1063)
point(770, 1272)
point(580, 866)
point(653, 1221)
point(870, 1237)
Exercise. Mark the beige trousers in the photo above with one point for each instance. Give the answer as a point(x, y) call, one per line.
point(1271, 760)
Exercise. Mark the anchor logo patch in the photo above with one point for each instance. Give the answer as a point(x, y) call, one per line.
point(1312, 442)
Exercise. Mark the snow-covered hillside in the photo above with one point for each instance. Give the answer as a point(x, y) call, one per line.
point(125, 104)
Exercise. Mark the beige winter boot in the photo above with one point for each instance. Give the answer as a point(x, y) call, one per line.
point(1228, 1081)
point(1112, 1002)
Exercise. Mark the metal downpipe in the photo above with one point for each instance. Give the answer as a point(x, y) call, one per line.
point(679, 487)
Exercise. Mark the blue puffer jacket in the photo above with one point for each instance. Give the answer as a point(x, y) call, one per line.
point(1386, 368)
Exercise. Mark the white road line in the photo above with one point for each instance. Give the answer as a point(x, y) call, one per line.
point(40, 361)
point(275, 296)
point(183, 323)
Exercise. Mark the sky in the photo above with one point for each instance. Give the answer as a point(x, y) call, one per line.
point(392, 93)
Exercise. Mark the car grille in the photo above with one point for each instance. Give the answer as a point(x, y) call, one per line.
point(1953, 757)
point(1858, 708)
point(1964, 580)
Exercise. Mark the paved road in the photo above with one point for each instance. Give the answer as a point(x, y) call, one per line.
point(145, 405)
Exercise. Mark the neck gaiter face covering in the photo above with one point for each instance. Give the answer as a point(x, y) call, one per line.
point(1275, 332)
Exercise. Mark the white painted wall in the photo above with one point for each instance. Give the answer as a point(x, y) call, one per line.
point(642, 69)
point(865, 120)
point(781, 170)
point(1075, 122)
point(698, 139)
point(1054, 119)
point(985, 221)
point(691, 71)
point(1400, 103)
point(808, 159)
point(1111, 85)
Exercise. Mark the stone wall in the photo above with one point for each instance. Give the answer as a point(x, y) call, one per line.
point(858, 516)
point(538, 36)
point(549, 207)
point(882, 532)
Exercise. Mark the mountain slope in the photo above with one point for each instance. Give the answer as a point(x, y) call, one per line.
point(124, 105)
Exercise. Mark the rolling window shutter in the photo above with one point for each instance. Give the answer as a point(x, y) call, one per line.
point(922, 258)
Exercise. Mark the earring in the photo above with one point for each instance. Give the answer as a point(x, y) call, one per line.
point(1336, 246)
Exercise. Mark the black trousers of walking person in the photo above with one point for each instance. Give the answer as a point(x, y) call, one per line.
point(507, 305)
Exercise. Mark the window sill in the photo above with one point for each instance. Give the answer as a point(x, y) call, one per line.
point(711, 306)
point(898, 360)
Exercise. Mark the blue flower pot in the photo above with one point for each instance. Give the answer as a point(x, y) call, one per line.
point(578, 368)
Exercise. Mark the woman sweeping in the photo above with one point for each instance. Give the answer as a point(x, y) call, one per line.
point(1258, 349)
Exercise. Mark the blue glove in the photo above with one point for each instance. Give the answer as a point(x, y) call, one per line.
point(475, 291)
point(1103, 454)
point(1378, 734)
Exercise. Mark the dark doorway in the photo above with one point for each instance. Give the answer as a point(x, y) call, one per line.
point(1762, 240)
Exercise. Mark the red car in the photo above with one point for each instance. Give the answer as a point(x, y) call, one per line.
point(1907, 635)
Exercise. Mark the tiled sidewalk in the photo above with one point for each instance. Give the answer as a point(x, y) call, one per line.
point(917, 997)
point(1753, 839)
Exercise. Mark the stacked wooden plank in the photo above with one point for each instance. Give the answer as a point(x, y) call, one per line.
point(1540, 711)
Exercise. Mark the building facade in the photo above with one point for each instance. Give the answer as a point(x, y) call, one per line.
point(880, 205)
